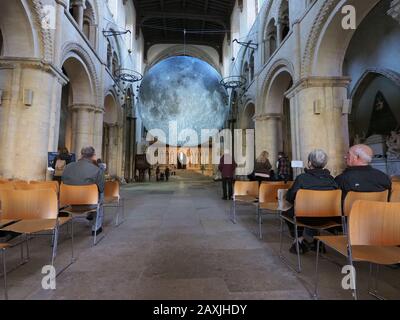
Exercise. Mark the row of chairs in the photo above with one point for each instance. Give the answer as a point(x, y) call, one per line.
point(264, 196)
point(112, 196)
point(34, 208)
point(327, 207)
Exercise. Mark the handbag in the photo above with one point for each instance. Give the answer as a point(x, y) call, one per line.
point(218, 176)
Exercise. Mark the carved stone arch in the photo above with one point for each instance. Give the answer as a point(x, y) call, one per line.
point(81, 52)
point(387, 73)
point(319, 22)
point(180, 50)
point(117, 118)
point(279, 66)
point(94, 14)
point(268, 15)
point(245, 112)
point(328, 36)
point(45, 35)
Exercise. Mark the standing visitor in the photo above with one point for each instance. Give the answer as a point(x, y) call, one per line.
point(284, 169)
point(227, 166)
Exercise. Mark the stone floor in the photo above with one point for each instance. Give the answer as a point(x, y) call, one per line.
point(178, 243)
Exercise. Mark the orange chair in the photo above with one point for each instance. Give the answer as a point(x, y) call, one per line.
point(245, 192)
point(268, 200)
point(373, 236)
point(35, 211)
point(4, 186)
point(395, 194)
point(79, 201)
point(313, 204)
point(288, 184)
point(352, 197)
point(395, 179)
point(46, 184)
point(112, 199)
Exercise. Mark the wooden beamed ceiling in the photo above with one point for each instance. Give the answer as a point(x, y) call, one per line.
point(163, 21)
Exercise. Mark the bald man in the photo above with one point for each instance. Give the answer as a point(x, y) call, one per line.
point(359, 175)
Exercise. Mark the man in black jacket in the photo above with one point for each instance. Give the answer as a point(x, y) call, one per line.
point(359, 175)
point(314, 178)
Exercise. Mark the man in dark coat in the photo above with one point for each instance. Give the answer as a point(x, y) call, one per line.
point(359, 175)
point(84, 172)
point(227, 166)
point(314, 178)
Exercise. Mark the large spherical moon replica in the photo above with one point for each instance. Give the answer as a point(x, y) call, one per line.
point(186, 91)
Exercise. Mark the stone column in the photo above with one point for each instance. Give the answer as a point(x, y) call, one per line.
point(60, 7)
point(112, 150)
point(319, 119)
point(279, 33)
point(82, 126)
point(98, 131)
point(269, 135)
point(78, 10)
point(26, 127)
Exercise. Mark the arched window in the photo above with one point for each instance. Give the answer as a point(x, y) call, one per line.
point(86, 29)
point(89, 23)
point(270, 40)
point(251, 66)
point(245, 72)
point(115, 64)
point(284, 20)
point(109, 55)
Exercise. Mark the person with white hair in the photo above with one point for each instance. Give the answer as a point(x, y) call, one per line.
point(87, 172)
point(316, 177)
point(359, 175)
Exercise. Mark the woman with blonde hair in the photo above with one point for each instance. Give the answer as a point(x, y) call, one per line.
point(262, 168)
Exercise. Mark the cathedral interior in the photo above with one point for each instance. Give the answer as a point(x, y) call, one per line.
point(161, 89)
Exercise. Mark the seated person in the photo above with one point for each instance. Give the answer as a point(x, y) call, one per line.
point(262, 168)
point(359, 175)
point(314, 178)
point(84, 172)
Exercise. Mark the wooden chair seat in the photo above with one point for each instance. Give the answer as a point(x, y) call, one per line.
point(5, 222)
point(270, 206)
point(376, 254)
point(4, 245)
point(36, 225)
point(247, 199)
point(78, 210)
point(318, 226)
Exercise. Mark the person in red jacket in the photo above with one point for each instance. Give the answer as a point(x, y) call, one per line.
point(227, 166)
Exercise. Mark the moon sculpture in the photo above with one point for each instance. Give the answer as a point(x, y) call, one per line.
point(185, 91)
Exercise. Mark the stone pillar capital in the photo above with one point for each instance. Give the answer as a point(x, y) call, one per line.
point(83, 107)
point(318, 82)
point(268, 117)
